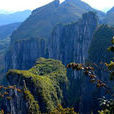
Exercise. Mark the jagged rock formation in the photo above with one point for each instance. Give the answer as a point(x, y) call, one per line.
point(109, 18)
point(42, 86)
point(70, 43)
point(23, 53)
point(100, 44)
point(77, 37)
point(42, 20)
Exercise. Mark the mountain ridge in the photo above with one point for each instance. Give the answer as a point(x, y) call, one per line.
point(19, 16)
point(43, 19)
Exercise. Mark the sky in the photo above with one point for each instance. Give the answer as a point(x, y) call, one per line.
point(19, 5)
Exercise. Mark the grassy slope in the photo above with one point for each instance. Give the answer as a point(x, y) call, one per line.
point(48, 77)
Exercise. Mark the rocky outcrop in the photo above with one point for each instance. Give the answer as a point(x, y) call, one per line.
point(23, 54)
point(67, 43)
point(70, 43)
point(42, 88)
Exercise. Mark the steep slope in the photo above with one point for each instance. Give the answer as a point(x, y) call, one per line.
point(5, 32)
point(43, 19)
point(109, 19)
point(70, 43)
point(14, 17)
point(76, 37)
point(101, 41)
point(98, 51)
point(45, 86)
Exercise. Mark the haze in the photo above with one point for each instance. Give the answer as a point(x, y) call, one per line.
point(18, 5)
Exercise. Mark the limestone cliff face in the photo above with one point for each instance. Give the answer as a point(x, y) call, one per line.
point(70, 43)
point(23, 53)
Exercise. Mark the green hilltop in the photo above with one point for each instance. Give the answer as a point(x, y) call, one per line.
point(44, 84)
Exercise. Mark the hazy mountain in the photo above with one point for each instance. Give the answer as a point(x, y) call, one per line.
point(6, 30)
point(14, 17)
point(4, 11)
point(43, 19)
point(109, 19)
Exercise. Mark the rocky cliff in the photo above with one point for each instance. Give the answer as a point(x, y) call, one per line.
point(70, 43)
point(42, 88)
point(23, 54)
point(67, 43)
point(42, 20)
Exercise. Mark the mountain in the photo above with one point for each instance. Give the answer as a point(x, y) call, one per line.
point(68, 43)
point(23, 53)
point(14, 17)
point(5, 32)
point(109, 19)
point(42, 20)
point(44, 88)
point(59, 31)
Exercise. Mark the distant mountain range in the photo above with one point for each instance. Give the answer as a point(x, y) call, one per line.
point(4, 12)
point(14, 17)
point(109, 19)
point(43, 19)
point(6, 30)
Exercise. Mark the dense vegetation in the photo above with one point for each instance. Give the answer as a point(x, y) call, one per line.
point(47, 87)
point(101, 41)
point(45, 83)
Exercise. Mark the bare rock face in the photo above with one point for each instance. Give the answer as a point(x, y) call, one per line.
point(70, 43)
point(24, 53)
point(67, 43)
